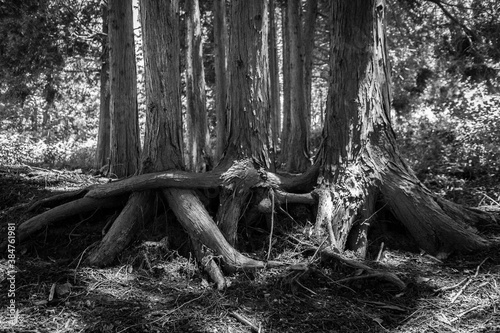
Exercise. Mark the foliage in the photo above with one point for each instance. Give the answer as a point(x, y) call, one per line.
point(39, 37)
point(455, 139)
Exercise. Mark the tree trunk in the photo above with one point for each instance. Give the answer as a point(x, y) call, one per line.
point(124, 137)
point(220, 39)
point(297, 159)
point(196, 114)
point(163, 137)
point(248, 100)
point(103, 137)
point(308, 48)
point(285, 36)
point(362, 171)
point(274, 90)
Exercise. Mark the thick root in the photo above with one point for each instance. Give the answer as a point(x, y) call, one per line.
point(200, 226)
point(123, 230)
point(434, 230)
point(64, 212)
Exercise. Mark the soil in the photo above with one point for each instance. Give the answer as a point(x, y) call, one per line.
point(152, 288)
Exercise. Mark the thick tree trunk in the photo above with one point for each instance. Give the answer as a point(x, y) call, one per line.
point(359, 160)
point(103, 137)
point(196, 114)
point(220, 40)
point(125, 149)
point(297, 159)
point(163, 138)
point(248, 99)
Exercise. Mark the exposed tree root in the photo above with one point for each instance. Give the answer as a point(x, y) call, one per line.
point(436, 225)
point(345, 210)
point(302, 183)
point(201, 227)
point(65, 212)
point(328, 253)
point(206, 259)
point(138, 209)
point(59, 199)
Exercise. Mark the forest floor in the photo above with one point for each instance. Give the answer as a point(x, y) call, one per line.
point(153, 289)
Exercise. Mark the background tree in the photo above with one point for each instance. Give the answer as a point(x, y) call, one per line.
point(297, 158)
point(307, 44)
point(125, 149)
point(220, 41)
point(196, 114)
point(103, 139)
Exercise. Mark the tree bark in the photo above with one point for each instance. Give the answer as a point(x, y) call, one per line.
point(285, 36)
point(124, 137)
point(196, 114)
point(359, 159)
point(103, 137)
point(274, 90)
point(297, 159)
point(163, 138)
point(248, 101)
point(220, 39)
point(308, 48)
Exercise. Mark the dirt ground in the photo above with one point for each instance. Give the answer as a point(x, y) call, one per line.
point(153, 289)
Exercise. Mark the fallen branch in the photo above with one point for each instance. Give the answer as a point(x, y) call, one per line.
point(388, 276)
point(245, 321)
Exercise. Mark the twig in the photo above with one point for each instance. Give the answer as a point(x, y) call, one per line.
point(453, 286)
point(460, 315)
point(272, 225)
point(245, 321)
point(166, 314)
point(469, 280)
point(379, 255)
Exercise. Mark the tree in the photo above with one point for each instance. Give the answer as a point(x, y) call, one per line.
point(248, 101)
point(297, 159)
point(359, 173)
point(125, 149)
point(308, 48)
point(286, 84)
point(274, 90)
point(196, 114)
point(103, 136)
point(362, 171)
point(220, 40)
